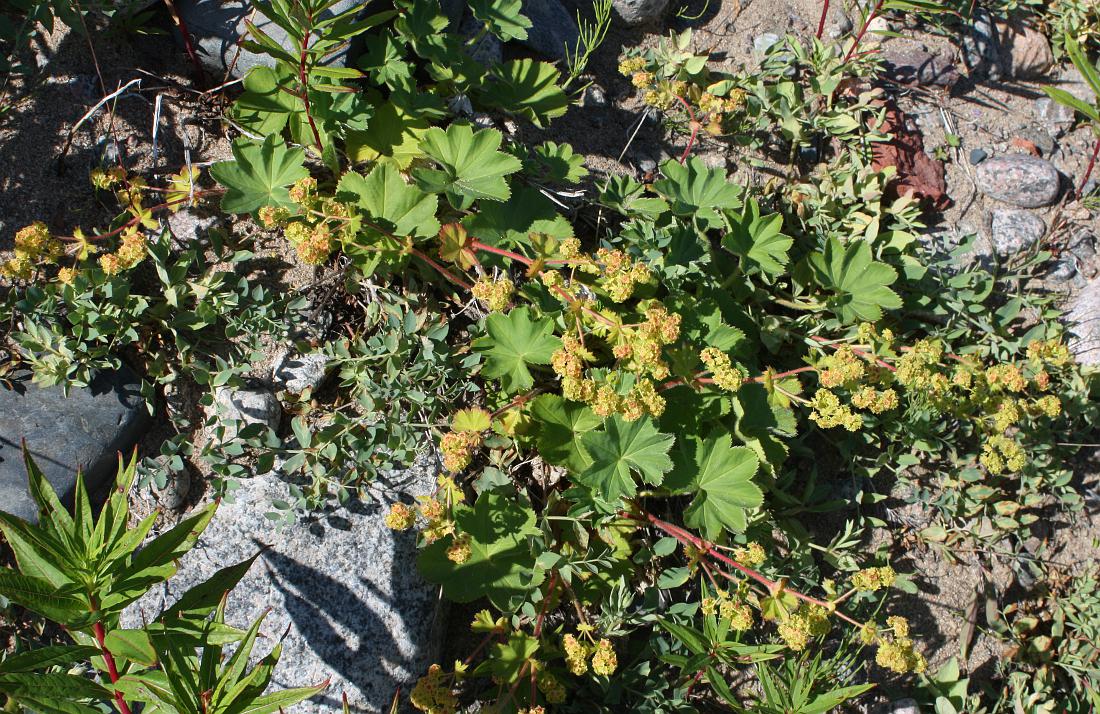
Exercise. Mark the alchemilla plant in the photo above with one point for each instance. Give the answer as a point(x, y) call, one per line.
point(631, 419)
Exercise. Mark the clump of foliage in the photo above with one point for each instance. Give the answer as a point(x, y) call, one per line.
point(81, 571)
point(647, 412)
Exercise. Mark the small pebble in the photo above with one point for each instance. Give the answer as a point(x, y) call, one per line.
point(1020, 179)
point(977, 156)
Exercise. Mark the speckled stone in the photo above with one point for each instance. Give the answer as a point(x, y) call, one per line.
point(1014, 230)
point(1019, 179)
point(553, 29)
point(640, 12)
point(345, 585)
point(297, 373)
point(84, 431)
point(1083, 319)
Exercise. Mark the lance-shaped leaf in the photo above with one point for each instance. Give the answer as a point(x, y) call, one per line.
point(859, 283)
point(400, 208)
point(470, 164)
point(260, 175)
point(514, 341)
point(622, 450)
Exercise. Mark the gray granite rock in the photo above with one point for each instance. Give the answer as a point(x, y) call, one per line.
point(296, 373)
point(981, 47)
point(1083, 319)
point(244, 407)
point(189, 228)
point(1019, 179)
point(1025, 51)
point(177, 486)
point(1048, 110)
point(487, 47)
point(1013, 231)
point(762, 43)
point(84, 431)
point(594, 96)
point(640, 12)
point(905, 706)
point(346, 586)
point(553, 28)
point(217, 28)
point(914, 65)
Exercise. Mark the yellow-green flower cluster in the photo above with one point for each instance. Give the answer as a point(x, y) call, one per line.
point(131, 251)
point(735, 611)
point(313, 242)
point(841, 368)
point(551, 687)
point(432, 693)
point(875, 401)
point(619, 275)
point(829, 412)
point(34, 246)
point(630, 65)
point(872, 579)
point(459, 551)
point(576, 654)
point(1000, 453)
point(916, 368)
point(458, 449)
point(798, 627)
point(896, 653)
point(752, 555)
point(401, 517)
point(495, 293)
point(722, 370)
point(273, 217)
point(1048, 352)
point(604, 660)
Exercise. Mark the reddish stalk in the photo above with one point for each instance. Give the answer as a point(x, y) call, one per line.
point(821, 22)
point(694, 681)
point(518, 401)
point(478, 245)
point(545, 604)
point(694, 128)
point(569, 299)
point(303, 78)
point(1088, 171)
point(112, 670)
point(443, 271)
point(134, 221)
point(863, 30)
point(881, 363)
point(700, 379)
point(774, 587)
point(188, 46)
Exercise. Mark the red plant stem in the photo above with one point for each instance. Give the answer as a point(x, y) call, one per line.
point(694, 128)
point(545, 603)
point(482, 645)
point(1088, 171)
point(478, 245)
point(112, 670)
point(569, 299)
point(881, 363)
point(694, 681)
point(774, 587)
point(181, 25)
point(518, 401)
point(443, 271)
point(863, 30)
point(699, 379)
point(821, 22)
point(304, 79)
point(134, 221)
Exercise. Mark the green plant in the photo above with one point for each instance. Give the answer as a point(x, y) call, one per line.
point(80, 572)
point(1090, 111)
point(186, 318)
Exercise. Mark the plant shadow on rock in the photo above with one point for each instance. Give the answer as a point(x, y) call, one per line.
point(320, 606)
